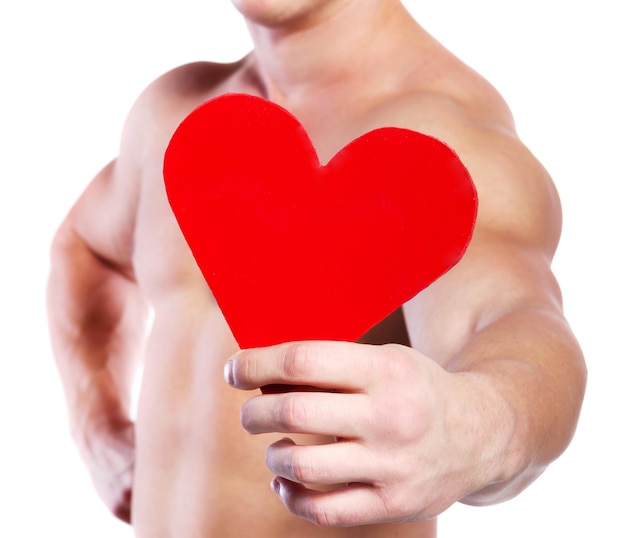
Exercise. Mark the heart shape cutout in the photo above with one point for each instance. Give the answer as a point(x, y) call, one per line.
point(296, 250)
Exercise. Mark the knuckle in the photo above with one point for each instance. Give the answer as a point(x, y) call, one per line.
point(298, 361)
point(305, 469)
point(322, 516)
point(394, 506)
point(300, 469)
point(246, 369)
point(402, 365)
point(292, 414)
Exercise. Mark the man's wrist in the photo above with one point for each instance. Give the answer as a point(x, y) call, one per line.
point(495, 438)
point(97, 411)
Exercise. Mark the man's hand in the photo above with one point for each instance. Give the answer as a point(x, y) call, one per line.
point(411, 438)
point(109, 454)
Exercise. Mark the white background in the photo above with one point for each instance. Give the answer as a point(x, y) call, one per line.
point(69, 73)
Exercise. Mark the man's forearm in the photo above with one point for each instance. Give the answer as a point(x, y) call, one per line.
point(532, 376)
point(94, 313)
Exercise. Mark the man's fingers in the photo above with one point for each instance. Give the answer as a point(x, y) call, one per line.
point(327, 365)
point(307, 412)
point(356, 504)
point(333, 463)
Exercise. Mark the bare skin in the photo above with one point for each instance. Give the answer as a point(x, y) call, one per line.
point(489, 377)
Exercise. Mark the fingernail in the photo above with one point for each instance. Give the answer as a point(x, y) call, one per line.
point(228, 373)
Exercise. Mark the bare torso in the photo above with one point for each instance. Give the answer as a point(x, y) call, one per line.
point(198, 473)
point(491, 389)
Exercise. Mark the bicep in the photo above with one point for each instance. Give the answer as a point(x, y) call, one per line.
point(91, 271)
point(506, 268)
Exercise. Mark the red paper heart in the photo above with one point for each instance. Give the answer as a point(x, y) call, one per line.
point(294, 250)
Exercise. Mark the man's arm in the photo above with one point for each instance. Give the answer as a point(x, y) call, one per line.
point(487, 397)
point(497, 320)
point(520, 364)
point(96, 318)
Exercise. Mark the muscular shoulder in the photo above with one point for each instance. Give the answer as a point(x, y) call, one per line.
point(167, 100)
point(517, 199)
point(519, 218)
point(113, 196)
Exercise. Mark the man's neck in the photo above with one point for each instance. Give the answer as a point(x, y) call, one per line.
point(349, 47)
